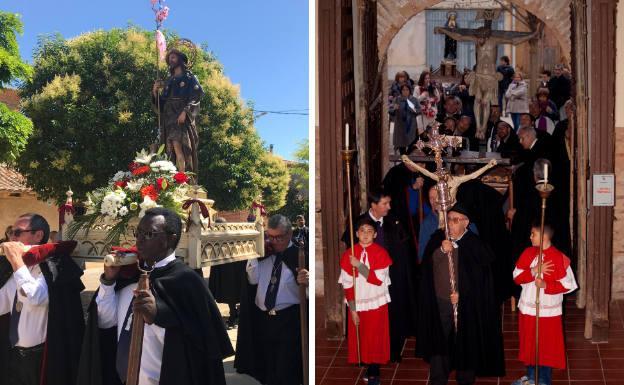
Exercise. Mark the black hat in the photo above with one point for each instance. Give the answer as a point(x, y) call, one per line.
point(180, 54)
point(459, 208)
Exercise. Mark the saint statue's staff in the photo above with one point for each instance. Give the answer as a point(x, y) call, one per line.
point(347, 155)
point(544, 190)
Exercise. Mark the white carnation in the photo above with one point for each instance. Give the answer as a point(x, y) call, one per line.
point(123, 211)
point(135, 186)
point(163, 166)
point(147, 204)
point(120, 175)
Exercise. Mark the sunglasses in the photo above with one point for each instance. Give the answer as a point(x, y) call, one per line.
point(138, 233)
point(18, 232)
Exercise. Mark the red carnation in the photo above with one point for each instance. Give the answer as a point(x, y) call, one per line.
point(181, 178)
point(121, 184)
point(141, 170)
point(161, 184)
point(150, 190)
point(133, 166)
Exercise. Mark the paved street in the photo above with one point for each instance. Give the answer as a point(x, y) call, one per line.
point(91, 280)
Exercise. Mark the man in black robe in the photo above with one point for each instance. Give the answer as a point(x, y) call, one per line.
point(53, 287)
point(405, 188)
point(526, 199)
point(392, 237)
point(561, 157)
point(475, 347)
point(184, 341)
point(268, 347)
point(179, 106)
point(485, 207)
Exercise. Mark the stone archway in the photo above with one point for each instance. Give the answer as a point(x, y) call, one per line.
point(393, 14)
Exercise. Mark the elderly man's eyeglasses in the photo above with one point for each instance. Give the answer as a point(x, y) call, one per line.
point(455, 220)
point(278, 238)
point(18, 232)
point(138, 233)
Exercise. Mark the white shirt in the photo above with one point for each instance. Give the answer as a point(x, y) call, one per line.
point(369, 297)
point(381, 220)
point(259, 273)
point(550, 304)
point(112, 310)
point(33, 294)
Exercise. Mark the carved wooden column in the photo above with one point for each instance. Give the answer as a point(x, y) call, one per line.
point(336, 107)
point(602, 160)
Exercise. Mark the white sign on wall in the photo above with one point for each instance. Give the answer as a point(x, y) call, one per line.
point(603, 190)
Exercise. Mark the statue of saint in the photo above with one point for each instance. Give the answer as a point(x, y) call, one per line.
point(450, 44)
point(178, 105)
point(484, 81)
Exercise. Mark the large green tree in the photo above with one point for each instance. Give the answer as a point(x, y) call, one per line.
point(89, 99)
point(14, 127)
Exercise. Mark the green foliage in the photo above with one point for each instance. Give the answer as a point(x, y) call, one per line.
point(297, 197)
point(12, 67)
point(15, 129)
point(273, 177)
point(90, 102)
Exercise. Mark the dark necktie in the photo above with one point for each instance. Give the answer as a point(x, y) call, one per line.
point(15, 316)
point(380, 240)
point(276, 273)
point(123, 345)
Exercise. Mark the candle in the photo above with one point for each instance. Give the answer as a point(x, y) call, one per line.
point(545, 173)
point(347, 136)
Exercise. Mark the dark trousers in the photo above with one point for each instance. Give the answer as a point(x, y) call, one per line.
point(440, 366)
point(25, 365)
point(280, 341)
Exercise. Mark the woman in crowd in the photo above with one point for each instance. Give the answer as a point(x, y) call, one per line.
point(429, 97)
point(517, 99)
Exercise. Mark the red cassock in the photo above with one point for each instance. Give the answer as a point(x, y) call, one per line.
point(374, 324)
point(551, 340)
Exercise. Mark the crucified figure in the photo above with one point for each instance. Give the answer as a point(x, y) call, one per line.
point(453, 181)
point(484, 81)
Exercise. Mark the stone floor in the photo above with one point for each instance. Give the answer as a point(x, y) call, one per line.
point(591, 364)
point(91, 281)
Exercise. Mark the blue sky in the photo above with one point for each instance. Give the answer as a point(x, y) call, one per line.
point(262, 44)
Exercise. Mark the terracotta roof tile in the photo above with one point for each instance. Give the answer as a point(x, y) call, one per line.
point(10, 97)
point(11, 180)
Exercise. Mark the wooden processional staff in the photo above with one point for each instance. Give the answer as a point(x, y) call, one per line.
point(136, 338)
point(347, 156)
point(544, 190)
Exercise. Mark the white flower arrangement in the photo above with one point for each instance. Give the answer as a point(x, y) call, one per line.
point(163, 166)
point(152, 181)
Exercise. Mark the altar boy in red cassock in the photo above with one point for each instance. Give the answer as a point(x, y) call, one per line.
point(369, 303)
point(557, 280)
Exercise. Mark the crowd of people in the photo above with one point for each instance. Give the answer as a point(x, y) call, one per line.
point(44, 338)
point(396, 278)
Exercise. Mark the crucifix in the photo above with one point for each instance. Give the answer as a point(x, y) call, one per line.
point(484, 80)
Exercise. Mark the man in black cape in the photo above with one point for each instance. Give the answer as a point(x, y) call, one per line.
point(268, 346)
point(400, 183)
point(392, 237)
point(56, 359)
point(195, 341)
point(485, 206)
point(527, 202)
point(476, 348)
